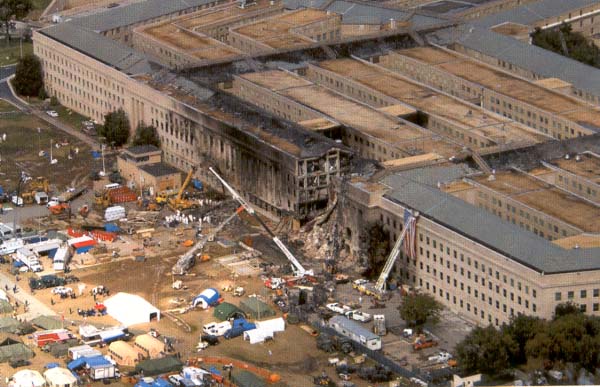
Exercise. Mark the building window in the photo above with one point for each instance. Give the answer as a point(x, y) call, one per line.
point(595, 307)
point(583, 294)
point(571, 295)
point(557, 296)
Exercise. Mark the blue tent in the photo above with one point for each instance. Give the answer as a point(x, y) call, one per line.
point(51, 365)
point(96, 361)
point(76, 364)
point(96, 154)
point(208, 297)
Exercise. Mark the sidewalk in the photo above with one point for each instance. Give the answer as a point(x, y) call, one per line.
point(36, 308)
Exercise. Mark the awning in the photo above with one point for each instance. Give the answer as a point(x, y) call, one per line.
point(76, 364)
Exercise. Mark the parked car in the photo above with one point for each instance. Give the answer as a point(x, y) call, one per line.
point(358, 316)
point(19, 363)
point(176, 380)
point(52, 113)
point(62, 290)
point(338, 308)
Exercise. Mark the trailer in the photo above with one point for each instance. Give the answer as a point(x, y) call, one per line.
point(42, 338)
point(356, 332)
point(61, 258)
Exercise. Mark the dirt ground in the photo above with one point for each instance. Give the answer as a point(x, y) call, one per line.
point(20, 152)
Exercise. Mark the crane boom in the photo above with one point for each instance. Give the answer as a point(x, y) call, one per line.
point(389, 264)
point(185, 183)
point(296, 266)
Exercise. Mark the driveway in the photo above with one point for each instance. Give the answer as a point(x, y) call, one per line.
point(36, 307)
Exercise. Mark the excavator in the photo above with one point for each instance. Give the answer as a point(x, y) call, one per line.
point(32, 186)
point(178, 202)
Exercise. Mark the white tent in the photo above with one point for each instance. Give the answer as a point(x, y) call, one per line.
point(257, 335)
point(27, 378)
point(130, 309)
point(273, 325)
point(60, 377)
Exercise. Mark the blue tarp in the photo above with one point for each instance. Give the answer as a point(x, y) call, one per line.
point(160, 382)
point(1, 190)
point(52, 253)
point(51, 365)
point(97, 361)
point(76, 364)
point(83, 249)
point(18, 264)
point(96, 154)
point(111, 227)
point(197, 184)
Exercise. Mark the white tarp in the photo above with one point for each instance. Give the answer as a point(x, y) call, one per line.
point(27, 378)
point(60, 377)
point(273, 325)
point(130, 309)
point(257, 335)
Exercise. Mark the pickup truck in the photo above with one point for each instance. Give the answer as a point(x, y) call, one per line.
point(357, 315)
point(338, 308)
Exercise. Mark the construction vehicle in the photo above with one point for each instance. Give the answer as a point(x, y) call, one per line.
point(178, 202)
point(422, 342)
point(298, 270)
point(59, 208)
point(378, 290)
point(187, 260)
point(83, 211)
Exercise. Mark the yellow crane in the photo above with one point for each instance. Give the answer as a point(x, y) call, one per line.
point(178, 202)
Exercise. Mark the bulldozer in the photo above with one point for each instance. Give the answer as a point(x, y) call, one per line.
point(59, 208)
point(178, 202)
point(101, 199)
point(148, 205)
point(32, 186)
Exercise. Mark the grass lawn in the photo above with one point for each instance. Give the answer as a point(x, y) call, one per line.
point(11, 52)
point(6, 107)
point(69, 117)
point(20, 152)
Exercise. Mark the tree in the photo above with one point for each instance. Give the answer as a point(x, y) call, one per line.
point(418, 309)
point(116, 128)
point(146, 135)
point(565, 309)
point(377, 246)
point(13, 8)
point(521, 329)
point(565, 42)
point(28, 76)
point(485, 350)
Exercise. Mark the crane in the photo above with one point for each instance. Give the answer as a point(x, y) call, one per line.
point(389, 264)
point(186, 261)
point(178, 203)
point(297, 268)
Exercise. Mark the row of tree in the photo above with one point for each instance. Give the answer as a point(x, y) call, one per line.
point(565, 42)
point(570, 337)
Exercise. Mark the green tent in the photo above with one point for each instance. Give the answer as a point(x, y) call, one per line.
point(247, 379)
point(5, 307)
point(159, 366)
point(47, 322)
point(225, 311)
point(12, 325)
point(256, 309)
point(15, 351)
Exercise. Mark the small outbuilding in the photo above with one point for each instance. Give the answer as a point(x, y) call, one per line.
point(255, 308)
point(130, 309)
point(257, 335)
point(152, 347)
point(225, 311)
point(124, 354)
point(209, 297)
point(27, 378)
point(273, 325)
point(60, 377)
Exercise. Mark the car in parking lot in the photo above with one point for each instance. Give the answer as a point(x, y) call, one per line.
point(16, 363)
point(52, 113)
point(176, 380)
point(357, 315)
point(62, 290)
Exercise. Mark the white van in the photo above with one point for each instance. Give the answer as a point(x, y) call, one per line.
point(216, 329)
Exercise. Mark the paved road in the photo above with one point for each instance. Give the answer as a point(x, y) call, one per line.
point(7, 71)
point(36, 307)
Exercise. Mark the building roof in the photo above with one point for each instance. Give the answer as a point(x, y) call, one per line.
point(99, 47)
point(363, 13)
point(124, 349)
point(226, 310)
point(529, 14)
point(149, 342)
point(159, 169)
point(59, 376)
point(529, 57)
point(353, 326)
point(479, 225)
point(134, 13)
point(142, 149)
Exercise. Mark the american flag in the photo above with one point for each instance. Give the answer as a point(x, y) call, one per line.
point(410, 239)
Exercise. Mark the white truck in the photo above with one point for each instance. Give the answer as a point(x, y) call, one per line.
point(41, 197)
point(338, 308)
point(29, 259)
point(357, 315)
point(216, 329)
